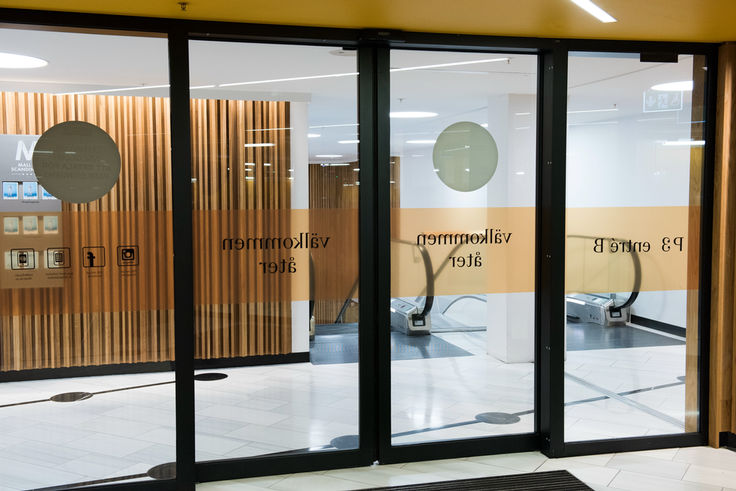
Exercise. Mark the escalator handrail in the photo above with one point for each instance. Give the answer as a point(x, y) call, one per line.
point(636, 288)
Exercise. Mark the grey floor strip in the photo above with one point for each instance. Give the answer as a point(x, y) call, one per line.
point(627, 401)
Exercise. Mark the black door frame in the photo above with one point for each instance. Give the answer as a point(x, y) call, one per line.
point(373, 99)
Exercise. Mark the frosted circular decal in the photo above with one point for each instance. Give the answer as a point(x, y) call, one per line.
point(76, 161)
point(465, 156)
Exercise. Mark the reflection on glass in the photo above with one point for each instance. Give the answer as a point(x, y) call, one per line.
point(635, 147)
point(275, 180)
point(462, 254)
point(72, 315)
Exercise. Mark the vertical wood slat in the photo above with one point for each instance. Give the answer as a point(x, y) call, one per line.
point(722, 393)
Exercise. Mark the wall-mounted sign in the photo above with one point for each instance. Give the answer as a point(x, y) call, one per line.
point(662, 100)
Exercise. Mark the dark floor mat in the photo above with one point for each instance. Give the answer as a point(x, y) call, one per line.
point(343, 348)
point(586, 336)
point(537, 481)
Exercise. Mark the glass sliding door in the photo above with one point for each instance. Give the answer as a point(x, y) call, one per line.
point(275, 180)
point(463, 188)
point(86, 285)
point(635, 146)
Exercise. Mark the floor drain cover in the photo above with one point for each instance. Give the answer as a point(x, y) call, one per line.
point(345, 442)
point(208, 377)
point(681, 378)
point(71, 396)
point(163, 471)
point(498, 418)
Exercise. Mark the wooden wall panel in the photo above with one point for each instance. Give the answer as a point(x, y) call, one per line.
point(76, 325)
point(722, 394)
point(336, 188)
point(225, 182)
point(129, 322)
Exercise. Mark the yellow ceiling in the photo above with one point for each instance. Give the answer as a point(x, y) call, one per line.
point(666, 20)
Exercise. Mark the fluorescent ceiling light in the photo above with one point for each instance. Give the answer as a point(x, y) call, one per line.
point(593, 111)
point(10, 60)
point(421, 142)
point(290, 79)
point(332, 126)
point(122, 89)
point(675, 86)
point(356, 169)
point(684, 143)
point(348, 142)
point(267, 164)
point(203, 87)
point(328, 156)
point(248, 178)
point(522, 114)
point(250, 164)
point(258, 145)
point(411, 114)
point(594, 10)
point(520, 173)
point(313, 135)
point(575, 300)
point(443, 65)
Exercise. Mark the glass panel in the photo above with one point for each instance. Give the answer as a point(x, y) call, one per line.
point(275, 178)
point(634, 162)
point(86, 285)
point(463, 142)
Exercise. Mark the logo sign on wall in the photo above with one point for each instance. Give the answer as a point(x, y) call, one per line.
point(76, 161)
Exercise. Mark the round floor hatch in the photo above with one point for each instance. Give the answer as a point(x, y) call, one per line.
point(71, 396)
point(163, 471)
point(498, 418)
point(209, 376)
point(345, 442)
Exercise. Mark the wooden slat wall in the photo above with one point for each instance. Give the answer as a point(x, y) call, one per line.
point(722, 394)
point(335, 187)
point(74, 325)
point(220, 130)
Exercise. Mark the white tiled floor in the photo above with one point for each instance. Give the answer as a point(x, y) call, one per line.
point(266, 409)
point(686, 469)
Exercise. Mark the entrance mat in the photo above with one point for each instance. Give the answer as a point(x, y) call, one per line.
point(343, 348)
point(541, 481)
point(586, 335)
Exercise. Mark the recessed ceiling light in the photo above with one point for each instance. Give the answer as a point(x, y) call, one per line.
point(421, 142)
point(313, 135)
point(684, 85)
point(412, 114)
point(328, 156)
point(594, 10)
point(10, 60)
point(258, 145)
point(348, 142)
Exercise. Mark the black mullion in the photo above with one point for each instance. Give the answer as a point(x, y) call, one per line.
point(375, 252)
point(551, 252)
point(706, 239)
point(181, 184)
